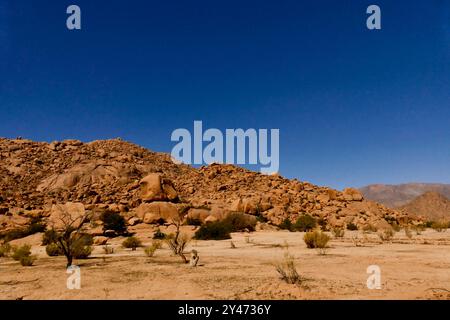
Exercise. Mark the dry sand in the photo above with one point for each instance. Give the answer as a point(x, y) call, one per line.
point(417, 268)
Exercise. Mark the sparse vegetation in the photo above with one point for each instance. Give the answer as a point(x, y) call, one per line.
point(419, 229)
point(108, 249)
point(240, 222)
point(113, 221)
point(150, 250)
point(261, 218)
point(351, 226)
point(82, 246)
point(5, 249)
point(408, 232)
point(305, 223)
point(23, 255)
point(220, 230)
point(357, 241)
point(53, 250)
point(286, 225)
point(386, 234)
point(158, 235)
point(217, 230)
point(132, 243)
point(49, 237)
point(316, 239)
point(178, 241)
point(287, 269)
point(338, 232)
point(70, 238)
point(439, 226)
point(193, 222)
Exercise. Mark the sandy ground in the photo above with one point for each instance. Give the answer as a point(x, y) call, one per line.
point(417, 268)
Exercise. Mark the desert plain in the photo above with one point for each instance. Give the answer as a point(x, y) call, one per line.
point(416, 268)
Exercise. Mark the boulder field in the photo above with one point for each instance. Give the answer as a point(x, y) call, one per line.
point(41, 179)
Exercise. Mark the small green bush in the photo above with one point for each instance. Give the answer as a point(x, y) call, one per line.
point(49, 237)
point(351, 226)
point(27, 261)
point(5, 249)
point(439, 226)
point(338, 232)
point(150, 251)
point(316, 239)
point(53, 250)
point(286, 225)
point(158, 235)
point(193, 222)
point(261, 218)
point(82, 246)
point(240, 222)
point(23, 255)
point(113, 221)
point(217, 230)
point(132, 243)
point(428, 224)
point(305, 223)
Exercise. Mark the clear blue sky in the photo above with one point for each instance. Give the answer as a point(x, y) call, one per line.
point(353, 106)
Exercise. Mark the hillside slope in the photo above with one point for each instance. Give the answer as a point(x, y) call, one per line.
point(36, 176)
point(430, 205)
point(399, 195)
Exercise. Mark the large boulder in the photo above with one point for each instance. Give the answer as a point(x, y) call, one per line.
point(351, 194)
point(198, 214)
point(154, 188)
point(156, 212)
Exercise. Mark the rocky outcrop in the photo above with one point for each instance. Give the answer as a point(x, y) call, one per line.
point(148, 187)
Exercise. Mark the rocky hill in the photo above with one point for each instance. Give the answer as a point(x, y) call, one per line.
point(431, 206)
point(36, 178)
point(398, 195)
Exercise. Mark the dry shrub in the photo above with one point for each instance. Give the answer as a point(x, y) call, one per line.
point(338, 232)
point(386, 234)
point(150, 251)
point(23, 255)
point(5, 249)
point(316, 239)
point(53, 250)
point(132, 243)
point(107, 249)
point(287, 269)
point(408, 233)
point(439, 226)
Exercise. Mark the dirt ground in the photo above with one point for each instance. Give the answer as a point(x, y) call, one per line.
point(417, 268)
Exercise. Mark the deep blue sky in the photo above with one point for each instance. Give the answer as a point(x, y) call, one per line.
point(353, 106)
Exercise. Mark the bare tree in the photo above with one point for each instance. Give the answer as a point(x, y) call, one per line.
point(68, 233)
point(178, 241)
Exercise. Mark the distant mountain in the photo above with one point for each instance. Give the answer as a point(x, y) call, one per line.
point(398, 195)
point(431, 205)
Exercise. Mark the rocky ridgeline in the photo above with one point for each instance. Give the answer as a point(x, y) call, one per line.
point(146, 187)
